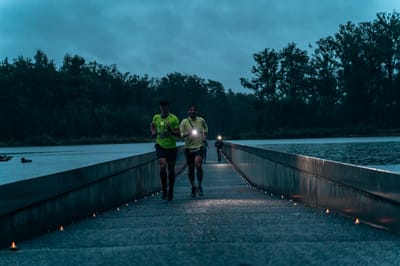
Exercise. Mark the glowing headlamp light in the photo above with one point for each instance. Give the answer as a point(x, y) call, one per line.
point(194, 132)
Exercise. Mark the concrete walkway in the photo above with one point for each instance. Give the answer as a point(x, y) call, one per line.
point(232, 224)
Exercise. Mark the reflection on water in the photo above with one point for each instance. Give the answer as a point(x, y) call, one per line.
point(377, 152)
point(381, 152)
point(52, 159)
point(363, 153)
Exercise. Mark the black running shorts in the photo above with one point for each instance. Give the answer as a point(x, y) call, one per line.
point(169, 154)
point(192, 153)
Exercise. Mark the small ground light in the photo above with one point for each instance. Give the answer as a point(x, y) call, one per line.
point(356, 221)
point(327, 211)
point(94, 214)
point(13, 246)
point(117, 209)
point(61, 228)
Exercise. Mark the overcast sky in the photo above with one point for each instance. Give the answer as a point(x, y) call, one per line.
point(213, 39)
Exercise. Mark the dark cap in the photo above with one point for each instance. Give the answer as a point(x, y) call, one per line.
point(193, 106)
point(164, 102)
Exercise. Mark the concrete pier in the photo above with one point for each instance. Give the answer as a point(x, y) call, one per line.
point(234, 223)
point(35, 206)
point(370, 195)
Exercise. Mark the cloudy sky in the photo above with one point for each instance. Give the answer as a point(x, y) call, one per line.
point(213, 39)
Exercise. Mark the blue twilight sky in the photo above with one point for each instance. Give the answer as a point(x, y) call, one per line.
point(213, 39)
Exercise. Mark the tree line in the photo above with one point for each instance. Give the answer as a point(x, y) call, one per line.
point(89, 102)
point(348, 84)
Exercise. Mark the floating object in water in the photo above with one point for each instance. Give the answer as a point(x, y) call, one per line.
point(23, 160)
point(5, 158)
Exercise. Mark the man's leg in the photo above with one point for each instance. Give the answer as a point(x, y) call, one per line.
point(191, 174)
point(190, 164)
point(163, 177)
point(199, 170)
point(191, 179)
point(171, 178)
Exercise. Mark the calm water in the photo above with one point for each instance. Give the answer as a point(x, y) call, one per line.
point(53, 159)
point(378, 152)
point(382, 153)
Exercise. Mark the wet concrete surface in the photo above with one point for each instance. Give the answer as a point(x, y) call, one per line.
point(232, 224)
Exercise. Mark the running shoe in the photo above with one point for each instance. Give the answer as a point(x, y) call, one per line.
point(164, 194)
point(200, 190)
point(194, 190)
point(170, 194)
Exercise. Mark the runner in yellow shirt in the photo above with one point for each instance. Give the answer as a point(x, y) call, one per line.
point(165, 127)
point(194, 130)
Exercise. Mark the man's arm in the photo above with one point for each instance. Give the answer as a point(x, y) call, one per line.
point(184, 129)
point(174, 131)
point(173, 127)
point(205, 129)
point(153, 129)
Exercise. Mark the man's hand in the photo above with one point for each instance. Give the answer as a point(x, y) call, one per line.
point(153, 129)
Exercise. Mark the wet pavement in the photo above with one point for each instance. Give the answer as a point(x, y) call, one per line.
point(232, 224)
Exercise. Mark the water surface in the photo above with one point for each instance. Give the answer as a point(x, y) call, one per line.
point(375, 152)
point(380, 152)
point(52, 159)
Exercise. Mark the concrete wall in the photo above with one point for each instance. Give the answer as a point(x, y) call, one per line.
point(372, 196)
point(32, 207)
